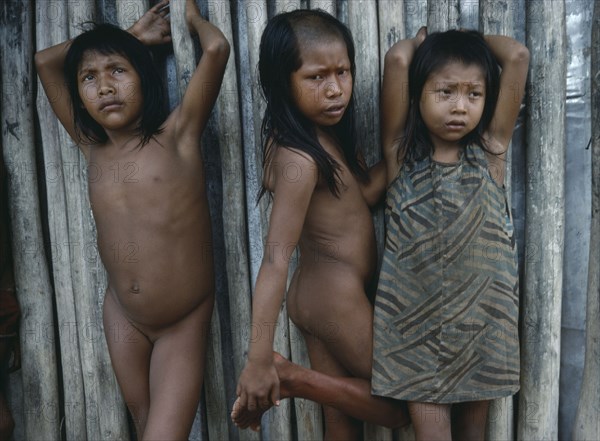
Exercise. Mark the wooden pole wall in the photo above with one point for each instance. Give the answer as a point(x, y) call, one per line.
point(587, 423)
point(50, 33)
point(89, 406)
point(41, 403)
point(541, 306)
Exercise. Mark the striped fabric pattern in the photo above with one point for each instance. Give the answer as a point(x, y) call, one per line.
point(446, 311)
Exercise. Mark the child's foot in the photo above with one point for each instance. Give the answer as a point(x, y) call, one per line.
point(243, 417)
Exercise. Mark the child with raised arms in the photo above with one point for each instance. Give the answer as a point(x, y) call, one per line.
point(321, 194)
point(107, 93)
point(446, 310)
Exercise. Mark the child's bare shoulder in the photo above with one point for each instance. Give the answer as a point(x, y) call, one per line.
point(289, 163)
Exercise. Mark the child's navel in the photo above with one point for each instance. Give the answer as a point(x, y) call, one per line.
point(135, 288)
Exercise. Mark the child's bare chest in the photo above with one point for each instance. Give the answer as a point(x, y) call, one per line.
point(141, 180)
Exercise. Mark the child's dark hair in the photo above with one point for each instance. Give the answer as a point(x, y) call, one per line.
point(437, 50)
point(283, 124)
point(108, 39)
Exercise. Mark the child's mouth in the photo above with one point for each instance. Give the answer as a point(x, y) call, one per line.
point(335, 110)
point(455, 125)
point(110, 106)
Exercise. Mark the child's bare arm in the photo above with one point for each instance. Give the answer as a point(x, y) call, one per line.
point(374, 190)
point(258, 385)
point(203, 89)
point(513, 57)
point(49, 64)
point(394, 98)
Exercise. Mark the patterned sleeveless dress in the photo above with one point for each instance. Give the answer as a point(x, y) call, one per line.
point(446, 311)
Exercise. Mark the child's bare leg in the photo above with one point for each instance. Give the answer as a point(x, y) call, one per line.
point(338, 425)
point(176, 374)
point(350, 395)
point(469, 419)
point(430, 421)
point(349, 346)
point(130, 352)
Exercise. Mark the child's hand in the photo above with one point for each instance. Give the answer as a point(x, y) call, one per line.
point(153, 27)
point(257, 389)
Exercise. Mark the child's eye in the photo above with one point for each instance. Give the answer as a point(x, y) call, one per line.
point(476, 94)
point(119, 70)
point(316, 77)
point(343, 72)
point(87, 77)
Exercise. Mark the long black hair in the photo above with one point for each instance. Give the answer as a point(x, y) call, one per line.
point(437, 50)
point(283, 124)
point(107, 39)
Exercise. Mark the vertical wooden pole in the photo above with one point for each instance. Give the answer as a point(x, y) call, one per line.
point(34, 292)
point(129, 11)
point(496, 18)
point(442, 15)
point(587, 423)
point(229, 132)
point(362, 20)
point(415, 16)
point(325, 5)
point(541, 312)
point(52, 29)
point(105, 411)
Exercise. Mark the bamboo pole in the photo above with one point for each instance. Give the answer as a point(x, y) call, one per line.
point(587, 424)
point(32, 279)
point(538, 406)
point(497, 18)
point(105, 411)
point(49, 33)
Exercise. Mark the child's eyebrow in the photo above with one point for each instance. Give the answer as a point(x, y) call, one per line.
point(83, 69)
point(90, 68)
point(458, 83)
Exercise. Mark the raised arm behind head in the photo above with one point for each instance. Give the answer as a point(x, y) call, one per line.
point(152, 28)
point(395, 100)
point(513, 58)
point(192, 114)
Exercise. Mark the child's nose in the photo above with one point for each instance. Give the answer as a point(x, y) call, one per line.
point(459, 103)
point(333, 89)
point(105, 87)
